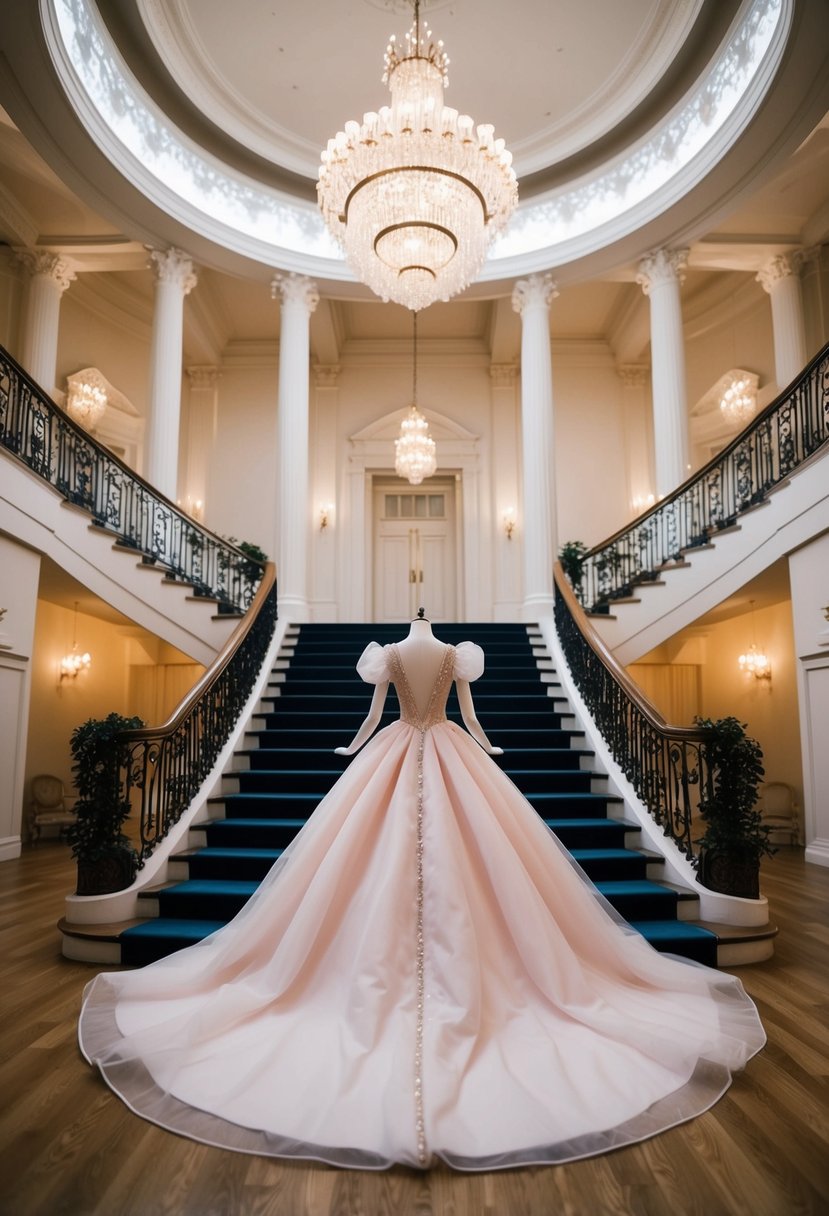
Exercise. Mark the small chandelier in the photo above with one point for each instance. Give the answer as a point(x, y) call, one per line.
point(414, 452)
point(416, 193)
point(86, 403)
point(72, 664)
point(738, 402)
point(755, 662)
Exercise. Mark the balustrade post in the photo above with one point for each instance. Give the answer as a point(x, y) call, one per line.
point(660, 277)
point(780, 278)
point(298, 298)
point(49, 277)
point(174, 279)
point(532, 298)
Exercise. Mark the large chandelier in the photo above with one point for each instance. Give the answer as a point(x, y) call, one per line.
point(416, 193)
point(739, 401)
point(414, 452)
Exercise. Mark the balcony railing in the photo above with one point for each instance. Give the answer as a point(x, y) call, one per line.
point(162, 768)
point(787, 433)
point(52, 446)
point(669, 767)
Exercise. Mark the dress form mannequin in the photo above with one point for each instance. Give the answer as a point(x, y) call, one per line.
point(422, 654)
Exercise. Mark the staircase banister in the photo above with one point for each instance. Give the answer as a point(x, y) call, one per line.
point(617, 671)
point(721, 456)
point(105, 454)
point(222, 661)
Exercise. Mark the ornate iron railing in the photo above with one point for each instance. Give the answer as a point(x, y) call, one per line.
point(669, 766)
point(162, 768)
point(769, 450)
point(55, 448)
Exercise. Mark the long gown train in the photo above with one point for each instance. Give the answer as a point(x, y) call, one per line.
point(425, 973)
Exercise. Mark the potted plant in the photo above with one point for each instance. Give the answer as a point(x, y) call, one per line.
point(571, 555)
point(107, 860)
point(735, 837)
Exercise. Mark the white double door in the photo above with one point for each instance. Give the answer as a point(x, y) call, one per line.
point(415, 550)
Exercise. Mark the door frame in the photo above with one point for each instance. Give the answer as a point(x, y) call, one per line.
point(369, 454)
point(378, 481)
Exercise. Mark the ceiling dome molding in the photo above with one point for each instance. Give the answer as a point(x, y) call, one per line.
point(258, 222)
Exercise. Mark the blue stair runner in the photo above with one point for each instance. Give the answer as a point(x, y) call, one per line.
point(292, 765)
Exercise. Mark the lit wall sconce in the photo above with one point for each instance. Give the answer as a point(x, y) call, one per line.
point(643, 502)
point(326, 515)
point(194, 507)
point(509, 522)
point(755, 662)
point(72, 664)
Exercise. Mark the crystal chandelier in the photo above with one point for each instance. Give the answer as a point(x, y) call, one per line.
point(416, 193)
point(738, 402)
point(74, 662)
point(86, 404)
point(755, 662)
point(414, 451)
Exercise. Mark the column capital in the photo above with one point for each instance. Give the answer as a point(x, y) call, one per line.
point(46, 264)
point(295, 289)
point(503, 375)
point(534, 291)
point(326, 374)
point(632, 375)
point(781, 266)
point(173, 266)
point(662, 266)
point(203, 375)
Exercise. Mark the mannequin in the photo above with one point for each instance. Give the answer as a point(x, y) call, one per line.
point(422, 654)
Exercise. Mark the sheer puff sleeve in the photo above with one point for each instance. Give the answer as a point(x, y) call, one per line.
point(373, 665)
point(469, 661)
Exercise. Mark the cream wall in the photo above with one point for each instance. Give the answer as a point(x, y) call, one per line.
point(768, 708)
point(131, 673)
point(94, 332)
point(19, 574)
point(11, 297)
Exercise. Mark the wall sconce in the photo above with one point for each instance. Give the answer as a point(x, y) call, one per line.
point(509, 522)
point(755, 662)
point(194, 507)
point(643, 502)
point(73, 663)
point(326, 515)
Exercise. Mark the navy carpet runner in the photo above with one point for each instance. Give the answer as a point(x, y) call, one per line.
point(319, 707)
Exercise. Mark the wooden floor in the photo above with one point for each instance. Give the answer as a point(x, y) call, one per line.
point(68, 1146)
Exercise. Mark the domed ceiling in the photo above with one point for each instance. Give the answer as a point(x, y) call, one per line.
point(200, 123)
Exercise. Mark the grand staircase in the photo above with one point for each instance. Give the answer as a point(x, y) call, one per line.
point(316, 702)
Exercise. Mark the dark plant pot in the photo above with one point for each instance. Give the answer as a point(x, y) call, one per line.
point(114, 872)
point(730, 875)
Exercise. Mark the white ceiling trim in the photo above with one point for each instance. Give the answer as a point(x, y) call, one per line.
point(240, 214)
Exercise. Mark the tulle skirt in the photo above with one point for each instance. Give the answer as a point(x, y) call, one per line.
point(527, 1024)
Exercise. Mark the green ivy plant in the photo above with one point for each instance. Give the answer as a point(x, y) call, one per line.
point(101, 807)
point(733, 825)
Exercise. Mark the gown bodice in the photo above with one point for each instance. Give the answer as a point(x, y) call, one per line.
point(435, 711)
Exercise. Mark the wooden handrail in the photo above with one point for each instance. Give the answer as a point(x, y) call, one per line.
point(614, 667)
point(220, 663)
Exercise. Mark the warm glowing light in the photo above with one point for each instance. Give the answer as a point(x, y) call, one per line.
point(739, 402)
point(416, 192)
point(86, 403)
point(509, 522)
point(415, 455)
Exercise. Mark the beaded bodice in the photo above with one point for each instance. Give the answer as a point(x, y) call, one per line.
point(436, 709)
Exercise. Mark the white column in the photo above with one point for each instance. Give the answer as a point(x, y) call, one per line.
point(660, 276)
point(202, 420)
point(532, 298)
point(299, 297)
point(49, 277)
point(174, 279)
point(780, 277)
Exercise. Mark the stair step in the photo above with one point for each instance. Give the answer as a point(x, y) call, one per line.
point(316, 702)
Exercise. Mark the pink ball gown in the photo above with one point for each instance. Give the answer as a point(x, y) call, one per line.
point(424, 974)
